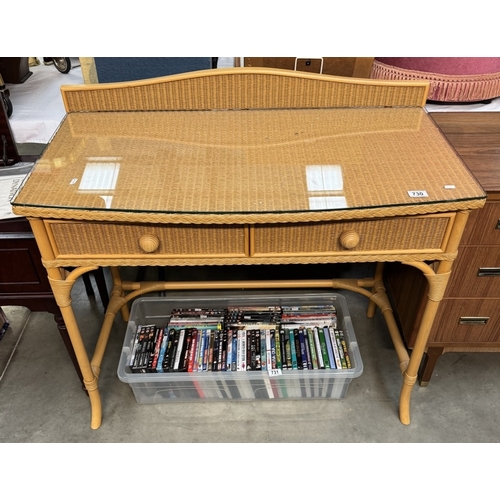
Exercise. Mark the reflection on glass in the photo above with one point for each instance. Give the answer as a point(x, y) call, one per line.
point(326, 185)
point(327, 202)
point(100, 176)
point(107, 200)
point(324, 178)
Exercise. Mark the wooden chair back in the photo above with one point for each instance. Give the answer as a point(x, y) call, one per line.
point(243, 88)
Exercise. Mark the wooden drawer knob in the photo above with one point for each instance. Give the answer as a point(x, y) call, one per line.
point(149, 243)
point(349, 239)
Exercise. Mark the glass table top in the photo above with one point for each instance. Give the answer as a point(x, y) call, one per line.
point(247, 161)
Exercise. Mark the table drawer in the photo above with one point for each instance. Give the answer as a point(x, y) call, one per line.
point(467, 320)
point(426, 233)
point(166, 240)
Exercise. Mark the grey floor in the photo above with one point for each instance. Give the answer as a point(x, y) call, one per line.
point(41, 399)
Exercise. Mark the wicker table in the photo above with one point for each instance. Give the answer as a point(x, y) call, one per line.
point(289, 186)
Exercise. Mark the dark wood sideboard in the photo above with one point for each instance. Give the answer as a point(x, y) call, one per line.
point(468, 319)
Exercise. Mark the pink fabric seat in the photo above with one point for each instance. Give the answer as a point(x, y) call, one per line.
point(452, 79)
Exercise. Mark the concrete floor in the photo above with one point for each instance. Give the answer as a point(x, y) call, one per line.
point(42, 400)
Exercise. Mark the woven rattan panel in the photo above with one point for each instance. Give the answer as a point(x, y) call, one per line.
point(397, 234)
point(123, 239)
point(242, 90)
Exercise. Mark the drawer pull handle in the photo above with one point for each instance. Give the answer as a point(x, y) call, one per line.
point(473, 320)
point(149, 243)
point(489, 271)
point(349, 239)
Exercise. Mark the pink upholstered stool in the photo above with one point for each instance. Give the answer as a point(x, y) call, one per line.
point(453, 79)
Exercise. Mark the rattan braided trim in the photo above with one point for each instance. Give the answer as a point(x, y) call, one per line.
point(438, 283)
point(242, 88)
point(343, 258)
point(156, 218)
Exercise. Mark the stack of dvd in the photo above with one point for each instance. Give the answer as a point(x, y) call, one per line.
point(243, 338)
point(253, 329)
point(314, 341)
point(192, 341)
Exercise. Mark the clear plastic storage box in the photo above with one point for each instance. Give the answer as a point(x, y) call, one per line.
point(156, 388)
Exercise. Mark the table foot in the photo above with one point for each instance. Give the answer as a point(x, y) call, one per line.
point(404, 399)
point(95, 402)
point(95, 410)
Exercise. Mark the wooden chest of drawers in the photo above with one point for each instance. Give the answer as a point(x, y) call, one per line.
point(469, 314)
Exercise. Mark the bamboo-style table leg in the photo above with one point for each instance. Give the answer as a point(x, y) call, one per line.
point(437, 279)
point(437, 285)
point(90, 368)
point(61, 288)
